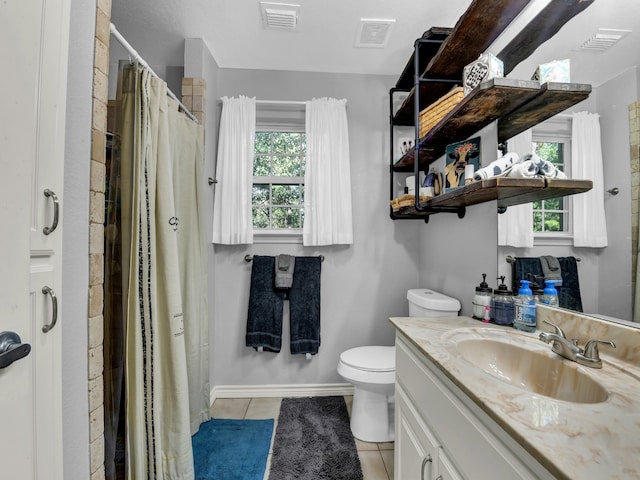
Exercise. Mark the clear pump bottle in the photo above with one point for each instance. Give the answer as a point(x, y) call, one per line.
point(503, 304)
point(550, 294)
point(482, 299)
point(525, 309)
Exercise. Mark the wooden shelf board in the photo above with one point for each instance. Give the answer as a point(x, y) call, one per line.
point(487, 102)
point(540, 29)
point(506, 190)
point(517, 104)
point(553, 98)
point(476, 29)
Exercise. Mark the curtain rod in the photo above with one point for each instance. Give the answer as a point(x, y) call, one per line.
point(136, 56)
point(281, 102)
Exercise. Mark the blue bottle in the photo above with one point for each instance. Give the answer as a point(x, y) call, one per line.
point(525, 309)
point(550, 294)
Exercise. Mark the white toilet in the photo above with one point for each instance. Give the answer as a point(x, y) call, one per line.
point(372, 371)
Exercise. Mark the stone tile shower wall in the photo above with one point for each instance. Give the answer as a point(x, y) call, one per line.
point(634, 154)
point(96, 238)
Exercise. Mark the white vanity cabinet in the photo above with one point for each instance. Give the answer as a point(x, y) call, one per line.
point(442, 434)
point(418, 453)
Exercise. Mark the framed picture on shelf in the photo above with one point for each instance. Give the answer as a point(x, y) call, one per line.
point(461, 158)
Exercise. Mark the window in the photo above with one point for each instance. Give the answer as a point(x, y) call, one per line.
point(278, 181)
point(552, 217)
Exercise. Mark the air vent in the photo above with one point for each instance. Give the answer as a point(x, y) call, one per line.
point(280, 15)
point(374, 33)
point(604, 39)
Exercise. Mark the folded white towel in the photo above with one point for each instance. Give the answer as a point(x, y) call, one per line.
point(497, 167)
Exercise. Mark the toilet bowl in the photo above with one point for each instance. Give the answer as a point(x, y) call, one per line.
point(372, 372)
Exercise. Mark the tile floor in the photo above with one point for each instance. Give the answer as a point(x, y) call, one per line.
point(376, 459)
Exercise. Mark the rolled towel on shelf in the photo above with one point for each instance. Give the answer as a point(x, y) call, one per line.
point(497, 167)
point(549, 170)
point(526, 169)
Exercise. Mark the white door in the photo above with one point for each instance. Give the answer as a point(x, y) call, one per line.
point(33, 55)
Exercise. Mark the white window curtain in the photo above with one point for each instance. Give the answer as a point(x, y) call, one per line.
point(515, 226)
point(232, 217)
point(589, 222)
point(327, 198)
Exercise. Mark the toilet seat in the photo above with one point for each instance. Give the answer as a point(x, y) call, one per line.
point(370, 359)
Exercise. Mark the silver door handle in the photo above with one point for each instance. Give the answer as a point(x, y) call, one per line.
point(54, 308)
point(56, 212)
point(12, 348)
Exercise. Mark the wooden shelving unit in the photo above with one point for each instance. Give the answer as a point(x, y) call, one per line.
point(516, 105)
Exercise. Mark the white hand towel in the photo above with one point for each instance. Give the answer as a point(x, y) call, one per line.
point(497, 167)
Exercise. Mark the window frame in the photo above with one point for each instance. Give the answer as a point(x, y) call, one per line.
point(557, 131)
point(278, 235)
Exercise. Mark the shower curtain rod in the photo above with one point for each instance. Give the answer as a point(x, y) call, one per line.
point(136, 56)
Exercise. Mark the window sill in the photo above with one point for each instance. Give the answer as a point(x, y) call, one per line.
point(553, 239)
point(278, 236)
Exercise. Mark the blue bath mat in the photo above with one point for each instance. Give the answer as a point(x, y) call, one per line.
point(232, 449)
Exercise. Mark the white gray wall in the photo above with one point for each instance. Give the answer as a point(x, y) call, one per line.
point(363, 284)
point(75, 267)
point(454, 252)
point(612, 101)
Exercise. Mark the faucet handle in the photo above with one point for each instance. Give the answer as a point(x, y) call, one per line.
point(559, 331)
point(591, 349)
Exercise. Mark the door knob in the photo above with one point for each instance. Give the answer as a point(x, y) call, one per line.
point(12, 348)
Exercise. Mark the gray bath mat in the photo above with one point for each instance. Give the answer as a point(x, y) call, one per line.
point(313, 441)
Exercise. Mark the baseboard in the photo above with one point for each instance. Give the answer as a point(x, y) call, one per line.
point(254, 391)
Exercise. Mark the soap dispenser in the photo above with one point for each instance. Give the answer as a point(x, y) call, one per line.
point(525, 309)
point(550, 294)
point(482, 299)
point(503, 304)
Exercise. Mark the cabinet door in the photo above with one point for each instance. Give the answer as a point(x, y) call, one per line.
point(446, 470)
point(416, 448)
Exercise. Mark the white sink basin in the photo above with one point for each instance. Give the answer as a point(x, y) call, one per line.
point(520, 361)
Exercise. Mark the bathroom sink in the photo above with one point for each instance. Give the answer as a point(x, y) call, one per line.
point(532, 369)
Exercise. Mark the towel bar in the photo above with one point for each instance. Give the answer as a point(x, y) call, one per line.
point(248, 258)
point(510, 259)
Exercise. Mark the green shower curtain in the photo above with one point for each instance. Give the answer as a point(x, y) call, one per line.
point(164, 280)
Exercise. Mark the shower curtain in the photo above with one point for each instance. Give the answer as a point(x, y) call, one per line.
point(164, 280)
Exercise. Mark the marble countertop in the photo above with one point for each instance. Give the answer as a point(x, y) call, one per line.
point(572, 440)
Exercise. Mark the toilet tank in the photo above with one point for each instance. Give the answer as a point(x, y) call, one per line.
point(427, 303)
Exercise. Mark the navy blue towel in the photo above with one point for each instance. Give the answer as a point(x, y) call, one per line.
point(264, 321)
point(304, 306)
point(568, 293)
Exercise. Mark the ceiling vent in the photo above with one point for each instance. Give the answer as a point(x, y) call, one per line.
point(374, 33)
point(280, 15)
point(604, 39)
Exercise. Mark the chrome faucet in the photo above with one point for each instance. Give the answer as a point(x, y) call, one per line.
point(589, 357)
point(561, 346)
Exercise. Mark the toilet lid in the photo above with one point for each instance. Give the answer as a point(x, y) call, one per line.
point(370, 359)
